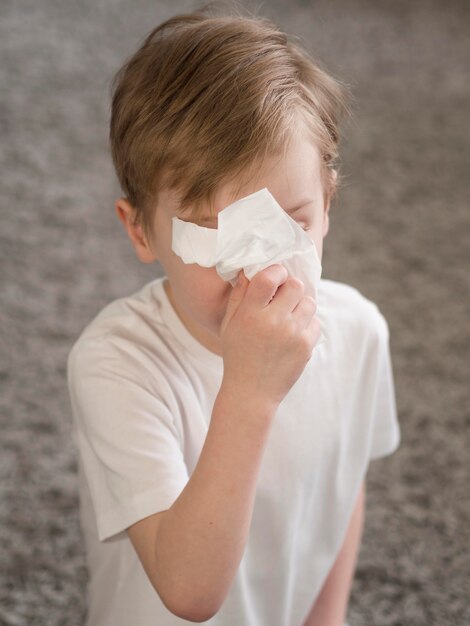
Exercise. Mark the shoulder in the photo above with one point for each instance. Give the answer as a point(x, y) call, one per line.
point(123, 312)
point(344, 311)
point(127, 332)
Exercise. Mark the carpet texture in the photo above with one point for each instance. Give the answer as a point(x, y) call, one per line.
point(399, 233)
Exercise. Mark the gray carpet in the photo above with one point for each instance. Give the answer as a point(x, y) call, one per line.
point(399, 233)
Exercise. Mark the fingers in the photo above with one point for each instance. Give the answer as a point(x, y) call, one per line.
point(305, 311)
point(274, 287)
point(264, 285)
point(289, 295)
point(236, 296)
point(302, 309)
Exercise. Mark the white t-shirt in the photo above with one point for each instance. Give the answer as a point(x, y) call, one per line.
point(142, 390)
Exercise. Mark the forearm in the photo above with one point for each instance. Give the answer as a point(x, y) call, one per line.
point(331, 605)
point(202, 538)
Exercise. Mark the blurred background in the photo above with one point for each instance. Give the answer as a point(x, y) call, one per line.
point(399, 233)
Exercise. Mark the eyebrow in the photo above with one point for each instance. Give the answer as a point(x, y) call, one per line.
point(293, 209)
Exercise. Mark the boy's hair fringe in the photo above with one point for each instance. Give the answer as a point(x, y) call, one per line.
point(207, 95)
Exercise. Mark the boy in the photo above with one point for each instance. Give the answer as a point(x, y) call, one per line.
point(222, 454)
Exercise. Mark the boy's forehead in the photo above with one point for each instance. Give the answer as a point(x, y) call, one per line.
point(293, 178)
point(228, 192)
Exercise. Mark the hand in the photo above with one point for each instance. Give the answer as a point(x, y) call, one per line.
point(267, 334)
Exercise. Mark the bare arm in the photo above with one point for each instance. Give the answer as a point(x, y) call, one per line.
point(331, 605)
point(200, 540)
point(191, 552)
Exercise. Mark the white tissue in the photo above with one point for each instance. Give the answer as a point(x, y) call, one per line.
point(253, 233)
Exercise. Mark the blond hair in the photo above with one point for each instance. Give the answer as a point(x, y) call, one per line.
point(204, 97)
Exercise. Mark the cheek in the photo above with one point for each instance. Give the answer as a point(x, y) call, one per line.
point(205, 286)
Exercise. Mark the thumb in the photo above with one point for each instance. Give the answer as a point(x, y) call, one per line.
point(236, 297)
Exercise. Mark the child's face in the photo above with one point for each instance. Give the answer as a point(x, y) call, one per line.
point(198, 294)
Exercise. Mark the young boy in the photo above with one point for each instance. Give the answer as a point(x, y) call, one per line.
point(222, 453)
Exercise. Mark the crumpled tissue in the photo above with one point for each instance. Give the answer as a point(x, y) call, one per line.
point(253, 233)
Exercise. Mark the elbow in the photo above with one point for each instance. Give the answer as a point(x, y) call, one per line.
point(197, 613)
point(195, 610)
point(196, 616)
point(185, 598)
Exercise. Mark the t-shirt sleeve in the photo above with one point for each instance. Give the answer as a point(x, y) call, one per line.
point(385, 437)
point(127, 435)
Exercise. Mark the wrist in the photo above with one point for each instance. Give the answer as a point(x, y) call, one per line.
point(247, 401)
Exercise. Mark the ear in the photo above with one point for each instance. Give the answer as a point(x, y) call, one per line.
point(126, 213)
point(326, 214)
